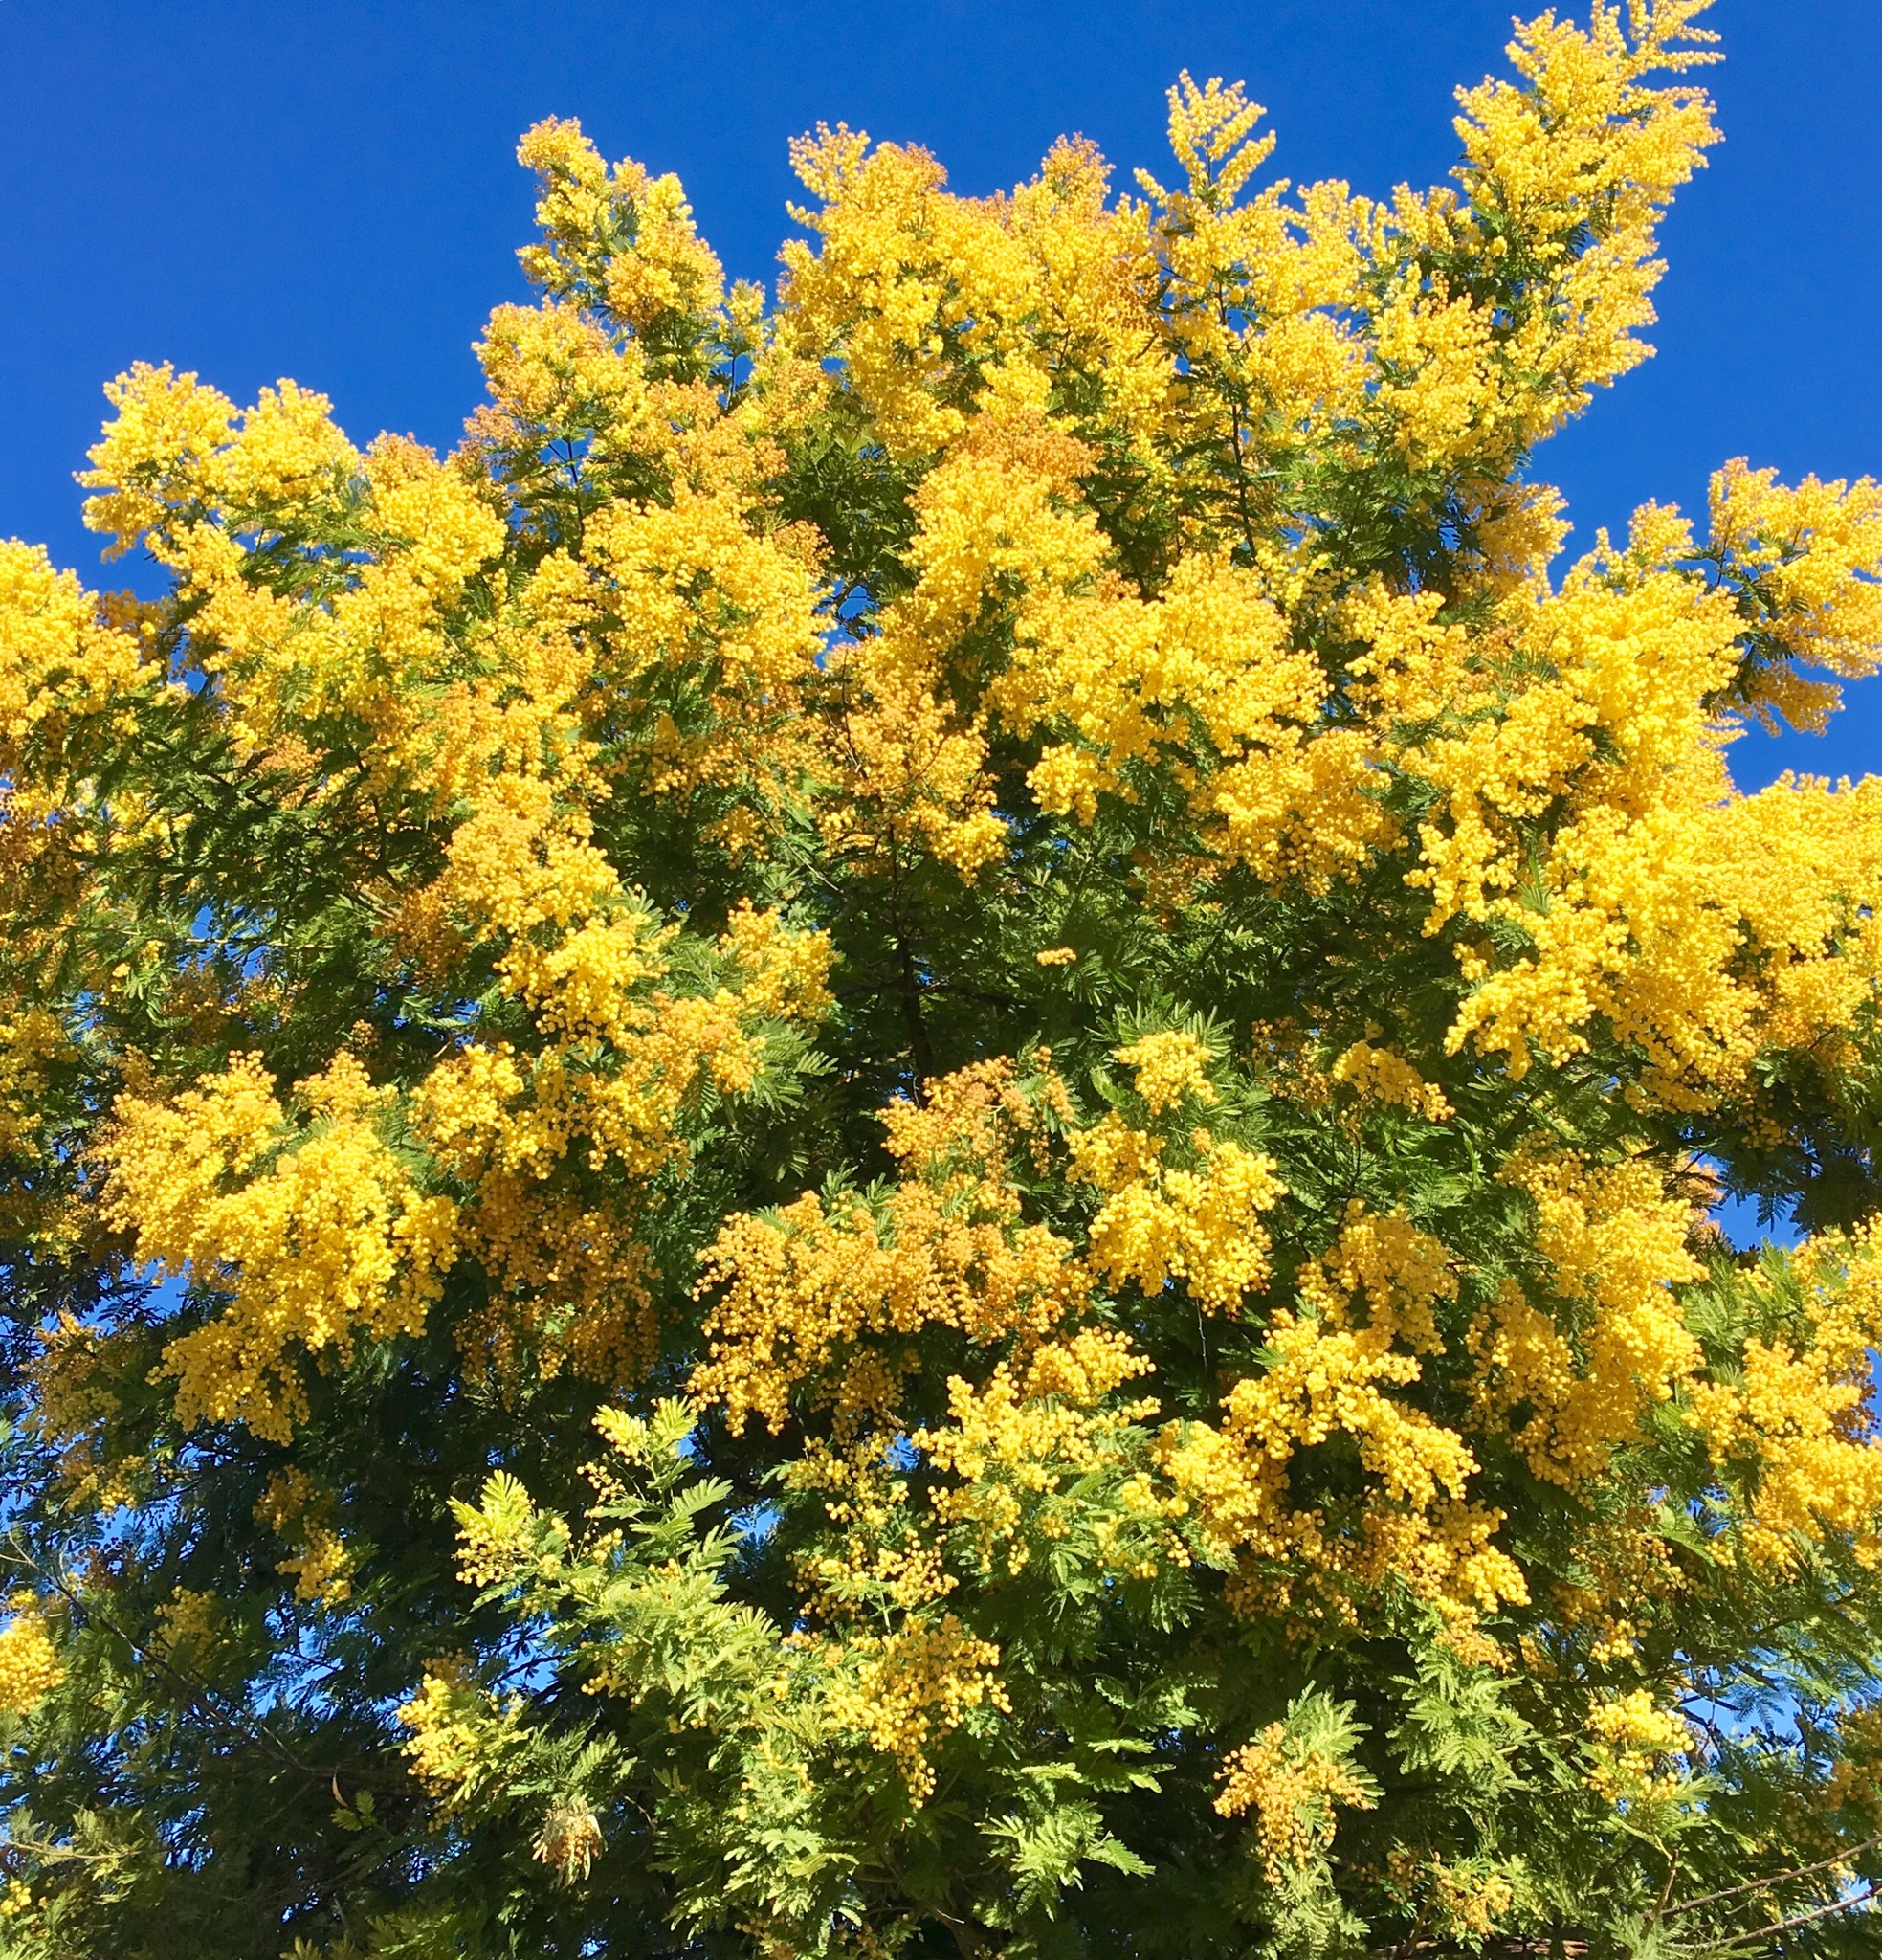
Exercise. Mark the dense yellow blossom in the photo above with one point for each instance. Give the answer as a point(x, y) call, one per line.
point(1379, 1075)
point(912, 1688)
point(62, 658)
point(1160, 1221)
point(192, 1623)
point(1579, 133)
point(817, 1297)
point(1294, 1790)
point(1807, 561)
point(1338, 1367)
point(1018, 1442)
point(30, 1666)
point(1635, 1747)
point(1614, 1242)
point(327, 1238)
point(1800, 1415)
point(454, 1725)
point(1168, 1068)
point(650, 267)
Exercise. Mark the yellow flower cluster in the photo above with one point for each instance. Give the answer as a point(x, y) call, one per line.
point(1466, 1901)
point(1856, 1779)
point(1632, 1578)
point(494, 1537)
point(1331, 1369)
point(301, 1515)
point(1169, 1069)
point(878, 1555)
point(74, 1406)
point(1809, 561)
point(317, 1233)
point(1384, 1076)
point(30, 1666)
point(1603, 699)
point(1800, 1415)
point(695, 589)
point(618, 237)
point(626, 1056)
point(1294, 1790)
point(918, 290)
point(815, 1298)
point(199, 484)
point(780, 972)
point(912, 1688)
point(61, 658)
point(569, 1274)
point(1614, 1242)
point(456, 1730)
point(192, 1624)
point(1581, 143)
point(1161, 1222)
point(1017, 1441)
point(1635, 1749)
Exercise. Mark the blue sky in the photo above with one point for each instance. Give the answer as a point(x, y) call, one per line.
point(329, 192)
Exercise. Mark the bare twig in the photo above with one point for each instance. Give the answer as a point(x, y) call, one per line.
point(1782, 1926)
point(1803, 1871)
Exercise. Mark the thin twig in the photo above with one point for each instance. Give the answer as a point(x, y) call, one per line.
point(1783, 1925)
point(1803, 1871)
point(1666, 1890)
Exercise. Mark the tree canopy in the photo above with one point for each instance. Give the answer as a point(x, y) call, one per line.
point(900, 1137)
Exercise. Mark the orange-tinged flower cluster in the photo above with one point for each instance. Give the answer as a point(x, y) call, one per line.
point(1294, 1790)
point(825, 1297)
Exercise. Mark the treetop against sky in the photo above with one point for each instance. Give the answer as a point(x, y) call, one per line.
point(389, 130)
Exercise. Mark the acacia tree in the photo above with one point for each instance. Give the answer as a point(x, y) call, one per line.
point(898, 1137)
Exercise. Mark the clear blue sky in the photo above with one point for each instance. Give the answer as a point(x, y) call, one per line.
point(328, 191)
